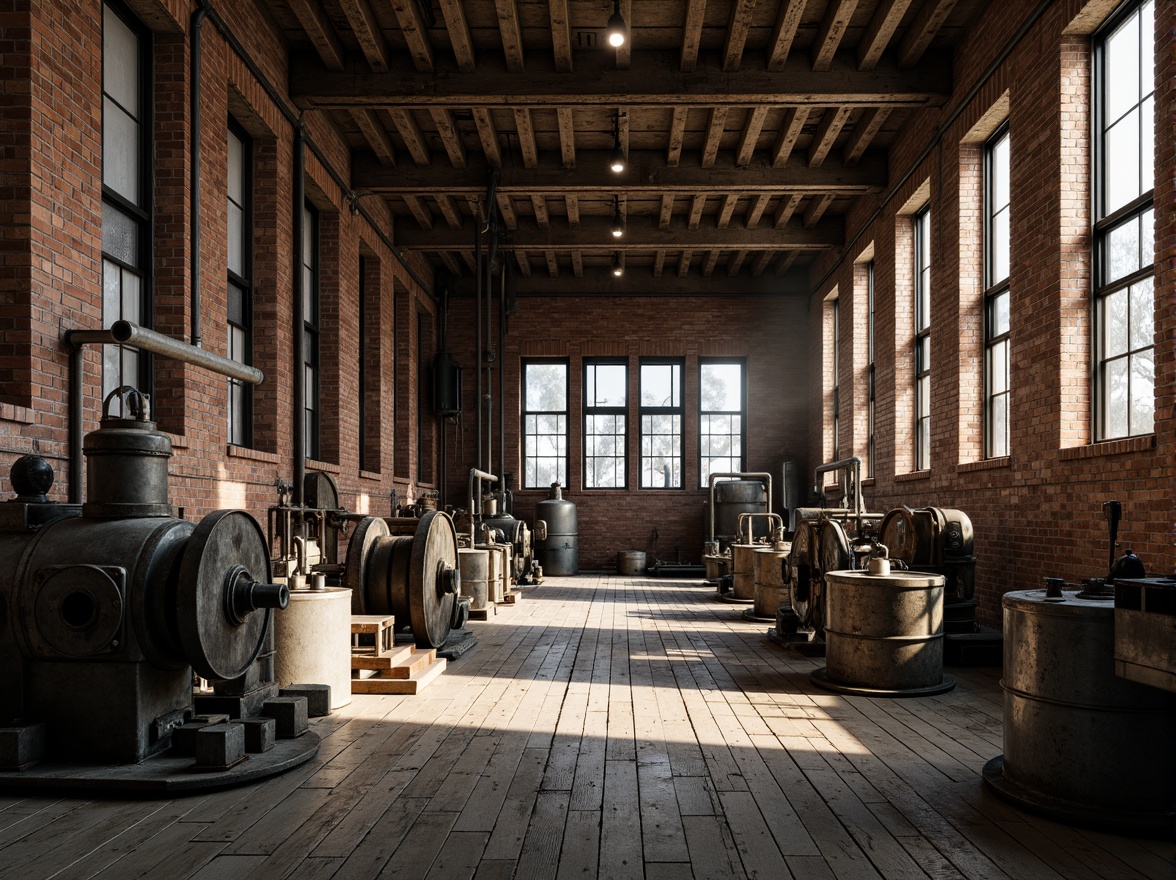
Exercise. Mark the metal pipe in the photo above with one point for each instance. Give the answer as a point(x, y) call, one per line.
point(737, 475)
point(477, 476)
point(76, 366)
point(195, 247)
point(846, 464)
point(502, 380)
point(299, 349)
point(478, 335)
point(128, 333)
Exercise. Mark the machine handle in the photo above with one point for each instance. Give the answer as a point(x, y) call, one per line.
point(244, 595)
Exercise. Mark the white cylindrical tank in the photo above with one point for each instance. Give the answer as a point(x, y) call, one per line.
point(312, 641)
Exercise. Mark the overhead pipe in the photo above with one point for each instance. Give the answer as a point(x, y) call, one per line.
point(299, 198)
point(194, 92)
point(478, 336)
point(502, 379)
point(852, 467)
point(736, 475)
point(128, 333)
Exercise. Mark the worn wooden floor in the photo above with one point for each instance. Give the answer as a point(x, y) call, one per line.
point(605, 727)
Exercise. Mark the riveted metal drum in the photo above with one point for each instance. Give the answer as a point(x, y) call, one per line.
point(770, 589)
point(475, 575)
point(1080, 744)
point(884, 634)
point(631, 562)
point(559, 552)
point(743, 565)
point(733, 497)
point(128, 459)
point(313, 642)
point(499, 566)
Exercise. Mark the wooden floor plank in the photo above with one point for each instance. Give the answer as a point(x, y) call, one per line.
point(580, 854)
point(620, 829)
point(419, 849)
point(539, 859)
point(460, 856)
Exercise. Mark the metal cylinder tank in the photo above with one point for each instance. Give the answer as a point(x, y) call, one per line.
point(733, 497)
point(770, 591)
point(631, 562)
point(559, 552)
point(313, 642)
point(475, 575)
point(743, 566)
point(1080, 744)
point(884, 634)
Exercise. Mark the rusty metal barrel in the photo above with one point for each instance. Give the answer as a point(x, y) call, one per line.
point(770, 590)
point(1080, 744)
point(884, 634)
point(631, 562)
point(474, 565)
point(743, 566)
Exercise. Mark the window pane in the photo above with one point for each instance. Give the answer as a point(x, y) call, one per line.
point(606, 385)
point(1147, 143)
point(132, 296)
point(1122, 60)
point(1116, 398)
point(1143, 309)
point(120, 235)
point(111, 293)
point(999, 380)
point(236, 185)
point(1000, 314)
point(722, 387)
point(120, 62)
point(1147, 238)
point(546, 387)
point(120, 151)
point(1143, 392)
point(1000, 173)
point(1122, 245)
point(661, 385)
point(1122, 162)
point(1000, 247)
point(236, 240)
point(1115, 324)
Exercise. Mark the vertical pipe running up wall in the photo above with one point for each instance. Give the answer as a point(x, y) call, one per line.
point(502, 380)
point(478, 334)
point(197, 31)
point(299, 174)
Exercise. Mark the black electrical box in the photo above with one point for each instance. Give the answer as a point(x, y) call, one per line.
point(446, 385)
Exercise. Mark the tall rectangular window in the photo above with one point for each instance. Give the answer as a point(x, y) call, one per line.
point(240, 285)
point(606, 398)
point(996, 295)
point(361, 439)
point(310, 327)
point(545, 423)
point(126, 191)
point(836, 380)
point(922, 224)
point(721, 417)
point(1124, 112)
point(871, 449)
point(661, 424)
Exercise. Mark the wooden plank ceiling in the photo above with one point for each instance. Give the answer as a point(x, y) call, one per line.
point(750, 126)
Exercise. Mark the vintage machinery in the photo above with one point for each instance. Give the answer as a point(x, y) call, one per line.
point(732, 494)
point(408, 567)
point(1080, 744)
point(558, 550)
point(107, 615)
point(493, 524)
point(1145, 631)
point(937, 540)
point(305, 538)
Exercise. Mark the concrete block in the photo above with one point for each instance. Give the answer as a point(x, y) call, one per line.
point(183, 738)
point(260, 734)
point(290, 714)
point(318, 697)
point(22, 745)
point(220, 746)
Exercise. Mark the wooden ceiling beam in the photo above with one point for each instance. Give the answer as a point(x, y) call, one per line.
point(708, 265)
point(697, 204)
point(786, 209)
point(506, 209)
point(761, 263)
point(756, 210)
point(726, 210)
point(790, 128)
point(451, 264)
point(735, 263)
point(714, 135)
point(684, 263)
point(512, 36)
point(649, 82)
point(922, 31)
point(561, 35)
point(459, 34)
point(567, 136)
point(376, 135)
point(750, 136)
point(367, 33)
point(488, 135)
point(450, 136)
point(863, 134)
point(816, 209)
point(639, 280)
point(526, 132)
point(412, 26)
point(667, 212)
point(539, 208)
point(677, 135)
point(420, 211)
point(645, 173)
point(832, 122)
point(786, 262)
point(623, 52)
point(572, 205)
point(449, 210)
point(880, 31)
point(691, 35)
point(829, 37)
point(321, 32)
point(577, 264)
point(659, 263)
point(737, 27)
point(523, 263)
point(552, 263)
point(593, 234)
point(411, 134)
point(784, 32)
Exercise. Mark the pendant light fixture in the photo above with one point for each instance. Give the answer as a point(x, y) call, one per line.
point(618, 268)
point(617, 29)
point(618, 226)
point(616, 160)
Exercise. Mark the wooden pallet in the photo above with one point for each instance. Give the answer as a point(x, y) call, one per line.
point(385, 667)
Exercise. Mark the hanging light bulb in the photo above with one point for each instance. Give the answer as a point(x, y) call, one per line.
point(618, 226)
point(616, 160)
point(617, 266)
point(616, 26)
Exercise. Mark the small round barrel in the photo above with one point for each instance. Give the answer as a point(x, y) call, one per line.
point(884, 634)
point(312, 641)
point(743, 565)
point(494, 579)
point(770, 589)
point(631, 562)
point(475, 576)
point(1080, 744)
